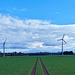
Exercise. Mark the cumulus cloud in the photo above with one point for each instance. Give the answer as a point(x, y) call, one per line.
point(34, 35)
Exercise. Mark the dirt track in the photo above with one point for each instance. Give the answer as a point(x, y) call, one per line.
point(34, 68)
point(44, 68)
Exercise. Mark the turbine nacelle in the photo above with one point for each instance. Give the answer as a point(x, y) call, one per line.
point(62, 40)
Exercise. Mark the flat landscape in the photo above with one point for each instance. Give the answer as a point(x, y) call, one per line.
point(18, 65)
point(58, 65)
point(22, 65)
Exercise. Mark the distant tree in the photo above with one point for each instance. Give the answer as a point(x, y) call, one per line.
point(14, 54)
point(0, 54)
point(19, 53)
point(67, 53)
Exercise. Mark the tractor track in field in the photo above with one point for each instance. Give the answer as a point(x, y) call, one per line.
point(44, 68)
point(34, 68)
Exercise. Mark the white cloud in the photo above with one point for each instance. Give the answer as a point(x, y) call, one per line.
point(35, 44)
point(14, 50)
point(35, 35)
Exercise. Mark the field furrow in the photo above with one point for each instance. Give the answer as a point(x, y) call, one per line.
point(34, 68)
point(44, 68)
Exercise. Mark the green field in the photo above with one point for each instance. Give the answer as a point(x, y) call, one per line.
point(22, 65)
point(58, 65)
point(18, 65)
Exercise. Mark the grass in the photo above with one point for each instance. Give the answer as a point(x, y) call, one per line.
point(58, 65)
point(18, 65)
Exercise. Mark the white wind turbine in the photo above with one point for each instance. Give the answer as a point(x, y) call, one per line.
point(62, 42)
point(4, 48)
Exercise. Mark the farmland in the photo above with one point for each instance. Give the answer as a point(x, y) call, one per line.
point(18, 65)
point(22, 65)
point(58, 65)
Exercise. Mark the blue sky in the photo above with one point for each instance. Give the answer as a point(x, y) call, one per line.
point(36, 25)
point(57, 11)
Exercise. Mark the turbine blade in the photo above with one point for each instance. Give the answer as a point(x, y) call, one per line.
point(64, 41)
point(59, 39)
point(4, 42)
point(63, 36)
point(6, 39)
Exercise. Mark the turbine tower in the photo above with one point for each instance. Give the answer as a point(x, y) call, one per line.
point(4, 48)
point(62, 42)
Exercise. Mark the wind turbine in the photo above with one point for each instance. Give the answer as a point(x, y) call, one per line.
point(62, 42)
point(4, 48)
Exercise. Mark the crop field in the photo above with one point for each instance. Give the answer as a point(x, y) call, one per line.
point(18, 65)
point(22, 65)
point(58, 65)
